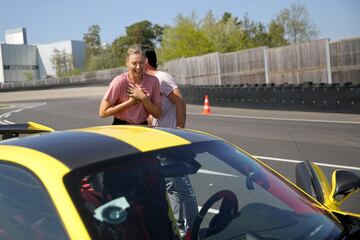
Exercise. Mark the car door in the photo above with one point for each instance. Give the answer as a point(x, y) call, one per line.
point(312, 180)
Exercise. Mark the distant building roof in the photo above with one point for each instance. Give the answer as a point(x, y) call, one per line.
point(16, 36)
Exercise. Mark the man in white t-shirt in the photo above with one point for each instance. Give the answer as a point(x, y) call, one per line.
point(173, 104)
point(181, 194)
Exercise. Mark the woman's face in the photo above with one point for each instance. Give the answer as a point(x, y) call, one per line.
point(136, 64)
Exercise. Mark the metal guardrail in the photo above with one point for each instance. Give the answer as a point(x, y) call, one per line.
point(88, 78)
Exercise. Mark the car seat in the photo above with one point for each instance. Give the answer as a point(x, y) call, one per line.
point(145, 191)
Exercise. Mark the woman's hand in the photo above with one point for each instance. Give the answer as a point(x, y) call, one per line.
point(132, 101)
point(137, 92)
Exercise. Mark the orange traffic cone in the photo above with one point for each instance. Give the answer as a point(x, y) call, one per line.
point(206, 105)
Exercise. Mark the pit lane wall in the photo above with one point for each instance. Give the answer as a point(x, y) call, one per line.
point(303, 97)
point(340, 98)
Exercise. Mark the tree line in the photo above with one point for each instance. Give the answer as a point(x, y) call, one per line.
point(190, 36)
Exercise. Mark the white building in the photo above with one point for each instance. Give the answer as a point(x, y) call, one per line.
point(18, 63)
point(16, 36)
point(22, 62)
point(75, 48)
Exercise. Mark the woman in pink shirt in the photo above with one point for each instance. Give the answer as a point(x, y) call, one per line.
point(134, 95)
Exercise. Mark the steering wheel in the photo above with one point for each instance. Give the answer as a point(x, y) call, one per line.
point(228, 210)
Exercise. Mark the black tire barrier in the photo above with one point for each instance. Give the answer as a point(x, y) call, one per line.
point(314, 98)
point(320, 97)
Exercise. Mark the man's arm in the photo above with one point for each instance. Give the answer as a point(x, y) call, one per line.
point(151, 107)
point(176, 98)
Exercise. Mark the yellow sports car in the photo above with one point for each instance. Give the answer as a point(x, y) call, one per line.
point(107, 182)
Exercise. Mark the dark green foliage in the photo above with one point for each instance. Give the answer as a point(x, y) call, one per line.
point(192, 37)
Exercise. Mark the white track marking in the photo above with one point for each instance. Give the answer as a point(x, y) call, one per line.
point(204, 171)
point(211, 210)
point(215, 173)
point(317, 163)
point(8, 114)
point(215, 211)
point(7, 122)
point(3, 121)
point(277, 119)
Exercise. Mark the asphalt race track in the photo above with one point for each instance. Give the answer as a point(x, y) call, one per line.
point(278, 138)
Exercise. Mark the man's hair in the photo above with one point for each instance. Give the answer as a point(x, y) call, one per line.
point(150, 54)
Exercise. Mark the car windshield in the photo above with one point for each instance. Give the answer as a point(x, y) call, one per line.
point(239, 197)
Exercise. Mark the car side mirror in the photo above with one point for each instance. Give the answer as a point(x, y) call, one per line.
point(344, 183)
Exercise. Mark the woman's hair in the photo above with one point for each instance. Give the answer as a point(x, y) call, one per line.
point(135, 49)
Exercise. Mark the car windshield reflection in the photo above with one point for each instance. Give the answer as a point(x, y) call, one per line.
point(238, 197)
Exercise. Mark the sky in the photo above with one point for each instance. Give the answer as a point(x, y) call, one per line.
point(49, 21)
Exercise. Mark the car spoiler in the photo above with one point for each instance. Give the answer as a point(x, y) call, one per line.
point(14, 130)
